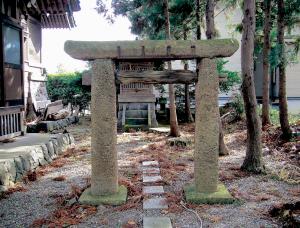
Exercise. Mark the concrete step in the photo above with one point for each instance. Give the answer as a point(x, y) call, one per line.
point(157, 222)
point(152, 190)
point(137, 127)
point(136, 114)
point(136, 121)
point(135, 106)
point(155, 203)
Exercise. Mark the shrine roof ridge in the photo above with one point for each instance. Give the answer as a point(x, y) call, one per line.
point(151, 49)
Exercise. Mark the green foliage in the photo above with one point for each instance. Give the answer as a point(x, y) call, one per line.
point(233, 78)
point(68, 88)
point(274, 116)
point(237, 104)
point(148, 20)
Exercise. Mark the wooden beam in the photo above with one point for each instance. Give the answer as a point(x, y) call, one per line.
point(157, 77)
point(142, 50)
point(152, 77)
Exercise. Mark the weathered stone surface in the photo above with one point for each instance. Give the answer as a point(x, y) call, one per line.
point(46, 153)
point(160, 130)
point(20, 170)
point(151, 179)
point(207, 128)
point(117, 198)
point(153, 190)
point(39, 152)
point(150, 170)
point(57, 149)
point(151, 49)
point(14, 162)
point(150, 163)
point(180, 141)
point(72, 140)
point(7, 172)
point(26, 162)
point(157, 222)
point(104, 129)
point(220, 196)
point(155, 203)
point(49, 126)
point(50, 149)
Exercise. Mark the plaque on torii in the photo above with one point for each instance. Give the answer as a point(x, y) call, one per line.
point(104, 57)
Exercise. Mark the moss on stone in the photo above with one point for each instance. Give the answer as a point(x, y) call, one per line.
point(115, 199)
point(221, 196)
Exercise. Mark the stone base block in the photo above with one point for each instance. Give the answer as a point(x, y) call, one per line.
point(115, 199)
point(221, 196)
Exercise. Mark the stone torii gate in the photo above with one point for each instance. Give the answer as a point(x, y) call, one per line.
point(105, 57)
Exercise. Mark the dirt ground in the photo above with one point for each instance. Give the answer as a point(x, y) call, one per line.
point(48, 197)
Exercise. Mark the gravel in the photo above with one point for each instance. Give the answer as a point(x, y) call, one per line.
point(257, 193)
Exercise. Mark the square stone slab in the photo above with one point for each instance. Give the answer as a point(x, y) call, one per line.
point(153, 190)
point(150, 163)
point(151, 179)
point(155, 203)
point(115, 199)
point(221, 196)
point(157, 222)
point(151, 170)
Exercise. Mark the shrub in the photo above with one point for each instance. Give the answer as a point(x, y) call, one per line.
point(68, 88)
point(237, 104)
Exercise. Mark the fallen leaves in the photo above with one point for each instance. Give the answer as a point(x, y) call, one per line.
point(134, 188)
point(66, 214)
point(16, 188)
point(59, 178)
point(130, 224)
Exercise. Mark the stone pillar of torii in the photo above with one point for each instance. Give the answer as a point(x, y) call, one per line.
point(104, 56)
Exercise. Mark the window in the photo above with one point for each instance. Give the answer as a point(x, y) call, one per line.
point(12, 45)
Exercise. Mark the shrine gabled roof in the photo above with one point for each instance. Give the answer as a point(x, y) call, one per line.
point(151, 49)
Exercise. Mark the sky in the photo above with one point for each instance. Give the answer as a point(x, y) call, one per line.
point(90, 26)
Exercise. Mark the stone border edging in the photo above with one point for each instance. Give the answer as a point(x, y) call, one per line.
point(13, 170)
point(49, 126)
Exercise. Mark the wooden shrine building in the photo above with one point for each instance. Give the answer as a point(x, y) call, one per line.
point(21, 67)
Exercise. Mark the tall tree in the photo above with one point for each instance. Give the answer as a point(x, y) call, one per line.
point(283, 108)
point(253, 161)
point(266, 64)
point(198, 20)
point(187, 102)
point(174, 131)
point(210, 19)
point(210, 34)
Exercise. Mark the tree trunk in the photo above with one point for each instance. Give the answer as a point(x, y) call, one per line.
point(187, 108)
point(223, 149)
point(283, 108)
point(253, 161)
point(174, 131)
point(266, 65)
point(188, 114)
point(30, 114)
point(198, 20)
point(210, 34)
point(210, 19)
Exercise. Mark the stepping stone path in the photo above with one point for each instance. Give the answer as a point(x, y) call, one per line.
point(154, 199)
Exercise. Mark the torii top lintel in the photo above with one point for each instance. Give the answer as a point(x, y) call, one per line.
point(151, 49)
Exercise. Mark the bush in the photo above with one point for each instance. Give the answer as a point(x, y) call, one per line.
point(68, 88)
point(237, 104)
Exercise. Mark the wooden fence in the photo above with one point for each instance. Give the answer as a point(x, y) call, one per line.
point(11, 121)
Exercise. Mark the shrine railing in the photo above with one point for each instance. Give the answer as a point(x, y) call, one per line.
point(11, 121)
